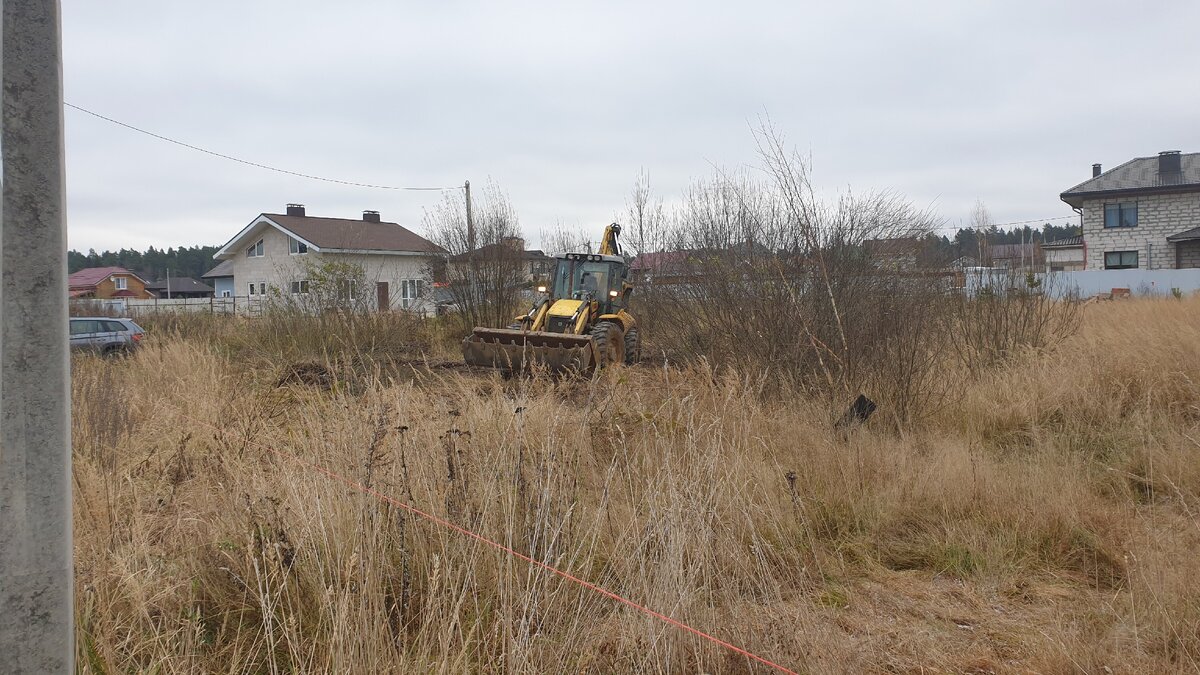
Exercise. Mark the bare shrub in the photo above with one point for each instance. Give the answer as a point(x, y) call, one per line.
point(1006, 314)
point(484, 271)
point(761, 275)
point(322, 285)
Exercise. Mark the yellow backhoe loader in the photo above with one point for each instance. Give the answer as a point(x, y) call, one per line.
point(579, 322)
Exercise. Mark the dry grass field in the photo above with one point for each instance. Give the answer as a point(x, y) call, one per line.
point(1043, 519)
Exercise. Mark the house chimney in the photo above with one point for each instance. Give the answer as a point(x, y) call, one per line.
point(1168, 163)
point(1096, 170)
point(295, 209)
point(371, 216)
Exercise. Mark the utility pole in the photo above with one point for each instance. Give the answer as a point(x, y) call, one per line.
point(472, 262)
point(36, 580)
point(470, 221)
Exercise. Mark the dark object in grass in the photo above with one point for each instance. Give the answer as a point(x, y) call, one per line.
point(858, 413)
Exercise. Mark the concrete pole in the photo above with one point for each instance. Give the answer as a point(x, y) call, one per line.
point(470, 221)
point(36, 582)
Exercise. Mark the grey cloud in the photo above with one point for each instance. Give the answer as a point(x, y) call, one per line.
point(562, 103)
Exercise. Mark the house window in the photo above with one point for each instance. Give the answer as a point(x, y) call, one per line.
point(300, 287)
point(121, 283)
point(296, 247)
point(226, 293)
point(1120, 215)
point(1120, 260)
point(411, 290)
point(255, 251)
point(345, 291)
point(260, 287)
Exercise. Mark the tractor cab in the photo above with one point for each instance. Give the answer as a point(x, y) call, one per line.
point(587, 277)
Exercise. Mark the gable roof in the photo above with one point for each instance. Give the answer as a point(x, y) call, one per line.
point(1138, 175)
point(90, 277)
point(1067, 242)
point(338, 235)
point(180, 285)
point(224, 269)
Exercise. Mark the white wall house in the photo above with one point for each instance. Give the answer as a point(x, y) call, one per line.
point(1064, 255)
point(1144, 214)
point(270, 258)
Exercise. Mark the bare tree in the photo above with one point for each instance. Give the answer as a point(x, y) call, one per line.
point(486, 281)
point(760, 274)
point(982, 223)
point(644, 218)
point(562, 239)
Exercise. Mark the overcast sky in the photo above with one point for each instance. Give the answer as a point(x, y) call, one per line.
point(562, 103)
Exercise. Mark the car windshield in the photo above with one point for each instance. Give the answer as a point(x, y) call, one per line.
point(577, 279)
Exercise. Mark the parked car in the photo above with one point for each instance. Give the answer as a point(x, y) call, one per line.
point(105, 335)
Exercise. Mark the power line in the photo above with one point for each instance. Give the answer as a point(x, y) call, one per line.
point(956, 228)
point(1036, 220)
point(250, 163)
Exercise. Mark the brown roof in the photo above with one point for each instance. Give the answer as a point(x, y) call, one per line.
point(90, 277)
point(356, 235)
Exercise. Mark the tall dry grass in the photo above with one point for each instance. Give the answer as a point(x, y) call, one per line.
point(1045, 520)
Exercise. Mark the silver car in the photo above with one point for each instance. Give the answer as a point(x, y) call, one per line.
point(105, 335)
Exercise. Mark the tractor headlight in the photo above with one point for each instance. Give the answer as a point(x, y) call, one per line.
point(612, 294)
point(541, 289)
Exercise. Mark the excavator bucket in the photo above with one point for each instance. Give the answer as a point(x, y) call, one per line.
point(516, 350)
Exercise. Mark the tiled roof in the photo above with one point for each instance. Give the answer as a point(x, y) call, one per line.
point(1139, 174)
point(1068, 242)
point(91, 276)
point(357, 235)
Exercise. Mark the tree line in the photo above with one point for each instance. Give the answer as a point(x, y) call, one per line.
point(973, 241)
point(152, 264)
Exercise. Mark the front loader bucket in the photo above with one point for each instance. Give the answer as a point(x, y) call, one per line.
point(515, 350)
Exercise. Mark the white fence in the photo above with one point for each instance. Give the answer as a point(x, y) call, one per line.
point(240, 305)
point(243, 305)
point(1087, 283)
point(1139, 282)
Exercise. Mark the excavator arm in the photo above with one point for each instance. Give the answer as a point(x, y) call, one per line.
point(608, 243)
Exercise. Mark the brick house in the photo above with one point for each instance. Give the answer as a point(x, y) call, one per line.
point(1144, 214)
point(268, 257)
point(107, 282)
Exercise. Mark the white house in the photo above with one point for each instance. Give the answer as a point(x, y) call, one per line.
point(271, 256)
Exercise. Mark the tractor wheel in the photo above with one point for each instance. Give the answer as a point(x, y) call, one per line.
point(633, 346)
point(609, 343)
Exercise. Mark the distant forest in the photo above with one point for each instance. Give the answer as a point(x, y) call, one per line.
point(194, 261)
point(971, 242)
point(151, 265)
